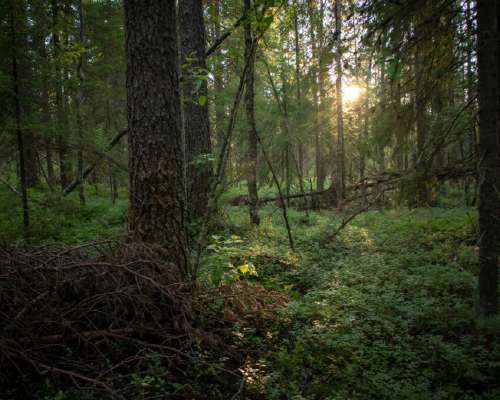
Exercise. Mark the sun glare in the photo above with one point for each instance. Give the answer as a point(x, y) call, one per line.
point(352, 92)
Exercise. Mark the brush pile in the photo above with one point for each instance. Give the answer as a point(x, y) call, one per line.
point(86, 313)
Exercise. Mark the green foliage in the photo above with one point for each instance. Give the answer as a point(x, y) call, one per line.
point(63, 220)
point(385, 311)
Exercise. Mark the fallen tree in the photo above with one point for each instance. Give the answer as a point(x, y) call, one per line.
point(385, 181)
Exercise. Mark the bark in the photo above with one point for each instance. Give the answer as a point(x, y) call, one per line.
point(195, 107)
point(252, 154)
point(156, 210)
point(340, 112)
point(488, 157)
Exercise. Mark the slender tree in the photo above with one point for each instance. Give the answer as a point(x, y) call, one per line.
point(340, 111)
point(195, 106)
point(19, 122)
point(79, 103)
point(250, 115)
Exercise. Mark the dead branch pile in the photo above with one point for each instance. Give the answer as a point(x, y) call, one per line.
point(81, 314)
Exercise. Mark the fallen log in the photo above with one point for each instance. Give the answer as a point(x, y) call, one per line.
point(385, 178)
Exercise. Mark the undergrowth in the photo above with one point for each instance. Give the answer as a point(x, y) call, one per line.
point(385, 310)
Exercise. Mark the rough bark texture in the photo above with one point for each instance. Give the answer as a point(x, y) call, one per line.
point(195, 107)
point(488, 157)
point(154, 127)
point(252, 129)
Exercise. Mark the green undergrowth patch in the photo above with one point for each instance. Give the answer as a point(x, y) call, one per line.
point(54, 219)
point(386, 310)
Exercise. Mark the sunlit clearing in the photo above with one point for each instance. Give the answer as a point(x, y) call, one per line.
point(352, 92)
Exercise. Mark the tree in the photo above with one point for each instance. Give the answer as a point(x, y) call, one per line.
point(61, 118)
point(340, 113)
point(488, 156)
point(154, 127)
point(78, 103)
point(250, 115)
point(195, 107)
point(19, 122)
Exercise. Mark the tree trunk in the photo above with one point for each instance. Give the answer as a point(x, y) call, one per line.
point(61, 127)
point(78, 103)
point(366, 128)
point(218, 81)
point(488, 157)
point(322, 117)
point(19, 129)
point(422, 195)
point(252, 129)
point(195, 107)
point(318, 157)
point(340, 111)
point(298, 83)
point(156, 211)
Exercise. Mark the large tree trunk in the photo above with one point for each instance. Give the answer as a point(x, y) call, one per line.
point(488, 157)
point(340, 111)
point(154, 127)
point(195, 107)
point(252, 129)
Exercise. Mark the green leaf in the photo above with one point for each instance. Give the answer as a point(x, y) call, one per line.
point(202, 100)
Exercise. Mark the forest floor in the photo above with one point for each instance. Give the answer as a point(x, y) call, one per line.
point(385, 310)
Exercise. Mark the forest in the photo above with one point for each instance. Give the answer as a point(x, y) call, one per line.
point(249, 199)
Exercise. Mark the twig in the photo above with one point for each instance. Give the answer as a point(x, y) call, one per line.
point(240, 389)
point(78, 181)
